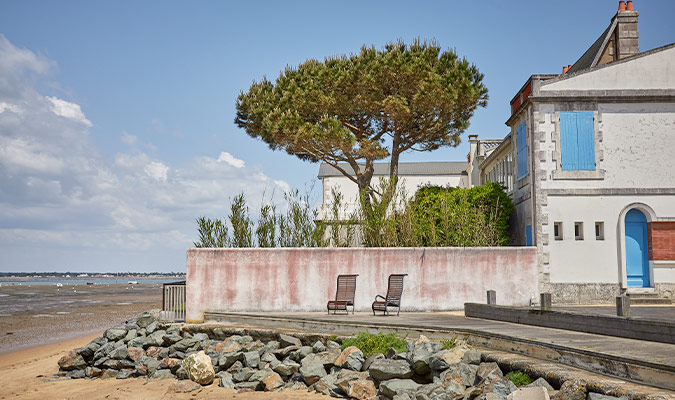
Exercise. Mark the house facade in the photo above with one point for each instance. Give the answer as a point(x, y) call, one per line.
point(592, 153)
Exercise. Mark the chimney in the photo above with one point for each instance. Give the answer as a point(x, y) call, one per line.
point(626, 33)
point(565, 69)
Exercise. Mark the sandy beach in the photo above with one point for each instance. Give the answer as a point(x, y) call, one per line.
point(39, 324)
point(28, 374)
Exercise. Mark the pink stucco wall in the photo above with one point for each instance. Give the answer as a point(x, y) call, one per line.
point(303, 279)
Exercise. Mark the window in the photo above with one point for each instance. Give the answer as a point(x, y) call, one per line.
point(521, 139)
point(578, 231)
point(577, 141)
point(557, 231)
point(599, 231)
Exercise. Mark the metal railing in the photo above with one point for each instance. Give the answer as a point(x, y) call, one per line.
point(173, 302)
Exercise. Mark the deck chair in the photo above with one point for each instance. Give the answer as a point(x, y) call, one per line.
point(344, 295)
point(393, 298)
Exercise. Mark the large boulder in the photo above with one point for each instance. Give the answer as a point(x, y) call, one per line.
point(312, 372)
point(199, 368)
point(464, 372)
point(146, 318)
point(351, 358)
point(120, 353)
point(443, 359)
point(287, 340)
point(356, 385)
point(154, 339)
point(269, 380)
point(227, 359)
point(385, 369)
point(394, 387)
point(286, 368)
point(226, 380)
point(422, 354)
point(115, 333)
point(72, 361)
point(436, 391)
point(326, 358)
point(251, 359)
point(535, 393)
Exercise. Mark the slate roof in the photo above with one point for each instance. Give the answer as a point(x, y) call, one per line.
point(592, 55)
point(404, 168)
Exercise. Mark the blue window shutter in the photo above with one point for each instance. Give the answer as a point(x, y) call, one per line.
point(521, 137)
point(585, 141)
point(568, 142)
point(528, 235)
point(577, 141)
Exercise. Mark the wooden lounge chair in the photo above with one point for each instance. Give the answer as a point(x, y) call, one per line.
point(344, 295)
point(393, 299)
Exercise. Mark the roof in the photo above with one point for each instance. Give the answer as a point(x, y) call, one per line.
point(404, 168)
point(591, 56)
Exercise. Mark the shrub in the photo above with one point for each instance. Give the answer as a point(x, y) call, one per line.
point(519, 378)
point(449, 343)
point(371, 344)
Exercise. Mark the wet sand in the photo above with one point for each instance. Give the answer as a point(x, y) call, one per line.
point(42, 314)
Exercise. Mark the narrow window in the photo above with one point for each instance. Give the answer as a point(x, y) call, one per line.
point(578, 231)
point(528, 235)
point(557, 231)
point(599, 231)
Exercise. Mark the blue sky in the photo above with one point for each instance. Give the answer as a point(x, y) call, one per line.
point(116, 119)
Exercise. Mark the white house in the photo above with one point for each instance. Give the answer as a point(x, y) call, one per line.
point(592, 152)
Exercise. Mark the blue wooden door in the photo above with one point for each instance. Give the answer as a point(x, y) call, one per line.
point(637, 250)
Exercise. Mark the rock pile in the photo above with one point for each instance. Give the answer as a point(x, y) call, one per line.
point(144, 347)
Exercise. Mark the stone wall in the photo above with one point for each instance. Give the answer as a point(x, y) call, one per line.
point(303, 279)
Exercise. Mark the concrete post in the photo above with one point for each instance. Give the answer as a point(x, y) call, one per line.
point(623, 306)
point(545, 301)
point(491, 297)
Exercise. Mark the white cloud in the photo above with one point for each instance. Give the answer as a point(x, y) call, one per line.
point(129, 139)
point(157, 170)
point(230, 159)
point(69, 110)
point(59, 195)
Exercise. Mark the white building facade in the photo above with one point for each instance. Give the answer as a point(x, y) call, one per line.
point(593, 156)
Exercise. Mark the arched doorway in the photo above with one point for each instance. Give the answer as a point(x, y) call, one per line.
point(637, 249)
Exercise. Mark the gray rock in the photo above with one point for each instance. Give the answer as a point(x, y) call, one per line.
point(488, 371)
point(540, 382)
point(287, 340)
point(119, 353)
point(137, 342)
point(465, 372)
point(598, 396)
point(181, 373)
point(422, 355)
point(271, 346)
point(176, 354)
point(326, 386)
point(391, 388)
point(116, 333)
point(384, 369)
point(99, 363)
point(403, 396)
point(152, 327)
point(332, 345)
point(162, 374)
point(501, 388)
point(326, 358)
point(248, 385)
point(225, 380)
point(131, 334)
point(227, 359)
point(354, 361)
point(236, 367)
point(370, 359)
point(200, 337)
point(171, 338)
point(152, 364)
point(154, 339)
point(269, 359)
point(183, 345)
point(391, 353)
point(251, 359)
point(146, 318)
point(318, 347)
point(311, 373)
point(125, 373)
point(92, 372)
point(104, 350)
point(286, 368)
point(472, 356)
point(76, 374)
point(301, 353)
point(72, 361)
point(243, 374)
point(89, 350)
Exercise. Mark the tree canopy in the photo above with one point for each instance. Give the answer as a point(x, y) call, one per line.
point(364, 107)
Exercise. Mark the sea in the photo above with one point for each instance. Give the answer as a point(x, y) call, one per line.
point(82, 281)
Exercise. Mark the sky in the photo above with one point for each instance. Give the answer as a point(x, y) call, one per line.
point(116, 118)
